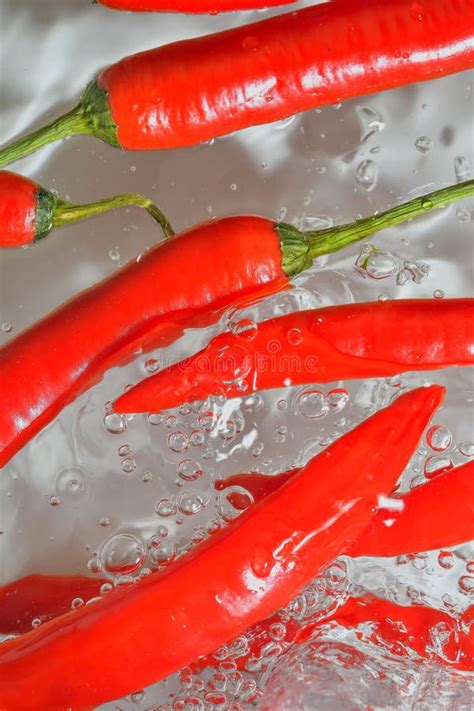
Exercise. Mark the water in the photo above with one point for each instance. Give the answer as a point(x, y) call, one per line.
point(117, 497)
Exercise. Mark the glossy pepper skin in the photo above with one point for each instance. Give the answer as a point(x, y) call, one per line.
point(28, 212)
point(186, 281)
point(438, 514)
point(194, 90)
point(190, 6)
point(366, 340)
point(266, 71)
point(148, 302)
point(18, 205)
point(243, 574)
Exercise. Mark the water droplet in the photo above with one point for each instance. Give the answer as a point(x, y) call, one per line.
point(245, 328)
point(178, 441)
point(155, 418)
point(312, 404)
point(165, 508)
point(6, 327)
point(190, 503)
point(466, 584)
point(462, 168)
point(115, 423)
point(437, 465)
point(94, 565)
point(152, 365)
point(467, 449)
point(367, 174)
point(439, 438)
point(128, 465)
point(122, 554)
point(189, 470)
point(71, 484)
point(423, 144)
point(463, 215)
point(163, 554)
point(294, 336)
point(337, 399)
point(370, 123)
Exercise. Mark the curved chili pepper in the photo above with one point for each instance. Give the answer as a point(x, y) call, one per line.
point(403, 630)
point(191, 91)
point(186, 280)
point(28, 212)
point(438, 514)
point(244, 573)
point(42, 597)
point(322, 345)
point(191, 6)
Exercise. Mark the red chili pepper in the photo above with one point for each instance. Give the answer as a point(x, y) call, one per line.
point(194, 90)
point(28, 212)
point(212, 7)
point(438, 514)
point(187, 280)
point(401, 630)
point(133, 637)
point(42, 597)
point(322, 345)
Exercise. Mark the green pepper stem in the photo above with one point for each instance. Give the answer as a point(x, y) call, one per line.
point(65, 213)
point(72, 122)
point(335, 238)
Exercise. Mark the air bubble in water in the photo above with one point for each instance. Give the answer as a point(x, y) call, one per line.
point(71, 484)
point(437, 465)
point(370, 123)
point(178, 442)
point(446, 560)
point(381, 266)
point(423, 144)
point(128, 465)
point(463, 215)
point(6, 327)
point(312, 404)
point(466, 584)
point(189, 470)
point(164, 554)
point(190, 503)
point(122, 554)
point(152, 365)
point(115, 423)
point(124, 450)
point(54, 500)
point(155, 418)
point(467, 449)
point(461, 168)
point(165, 508)
point(439, 438)
point(337, 399)
point(367, 174)
point(438, 294)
